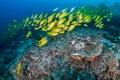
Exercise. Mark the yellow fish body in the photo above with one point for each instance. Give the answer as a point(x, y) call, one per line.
point(51, 25)
point(68, 22)
point(27, 19)
point(19, 69)
point(63, 14)
point(57, 15)
point(40, 16)
point(35, 16)
point(53, 33)
point(50, 18)
point(71, 27)
point(61, 21)
point(71, 17)
point(28, 34)
point(42, 42)
point(65, 28)
point(57, 29)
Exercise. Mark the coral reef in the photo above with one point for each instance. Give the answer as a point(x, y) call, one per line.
point(72, 56)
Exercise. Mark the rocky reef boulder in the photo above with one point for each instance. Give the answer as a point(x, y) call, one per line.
point(76, 55)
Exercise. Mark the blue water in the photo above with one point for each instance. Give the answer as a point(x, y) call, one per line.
point(19, 9)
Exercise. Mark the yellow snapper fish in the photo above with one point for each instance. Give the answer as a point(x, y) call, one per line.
point(42, 22)
point(19, 69)
point(36, 28)
point(51, 25)
point(44, 28)
point(42, 42)
point(87, 19)
point(32, 16)
point(71, 27)
point(28, 34)
point(57, 15)
point(61, 21)
point(71, 16)
point(60, 26)
point(27, 19)
point(50, 18)
point(63, 14)
point(57, 29)
point(52, 33)
point(55, 9)
point(62, 32)
point(75, 23)
point(64, 10)
point(36, 15)
point(37, 21)
point(80, 16)
point(68, 22)
point(72, 9)
point(65, 28)
point(85, 25)
point(33, 24)
point(40, 16)
point(45, 16)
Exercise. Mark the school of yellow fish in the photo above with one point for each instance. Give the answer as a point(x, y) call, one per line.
point(59, 22)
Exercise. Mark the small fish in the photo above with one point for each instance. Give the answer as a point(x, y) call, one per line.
point(42, 22)
point(62, 32)
point(36, 28)
point(52, 33)
point(40, 16)
point(61, 25)
point(63, 14)
point(35, 16)
point(51, 25)
point(45, 16)
point(71, 27)
point(44, 28)
point(61, 21)
point(64, 10)
point(32, 16)
point(67, 22)
point(65, 28)
point(55, 9)
point(28, 34)
point(27, 19)
point(72, 9)
point(57, 15)
point(85, 25)
point(71, 16)
point(57, 29)
point(19, 69)
point(43, 41)
point(50, 18)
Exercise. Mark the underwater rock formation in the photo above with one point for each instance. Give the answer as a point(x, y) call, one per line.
point(76, 55)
